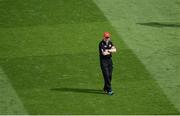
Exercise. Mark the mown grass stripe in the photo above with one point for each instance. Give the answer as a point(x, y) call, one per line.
point(9, 100)
point(150, 30)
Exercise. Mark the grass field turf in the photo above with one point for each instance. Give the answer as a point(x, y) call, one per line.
point(49, 52)
point(152, 33)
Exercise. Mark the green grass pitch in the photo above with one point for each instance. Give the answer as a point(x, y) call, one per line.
point(49, 53)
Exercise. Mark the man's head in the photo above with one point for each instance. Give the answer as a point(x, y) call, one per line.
point(106, 36)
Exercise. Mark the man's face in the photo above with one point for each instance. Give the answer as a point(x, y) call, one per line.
point(106, 39)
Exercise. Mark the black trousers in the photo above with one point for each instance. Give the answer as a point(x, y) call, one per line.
point(107, 68)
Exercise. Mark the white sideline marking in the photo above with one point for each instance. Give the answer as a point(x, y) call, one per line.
point(9, 100)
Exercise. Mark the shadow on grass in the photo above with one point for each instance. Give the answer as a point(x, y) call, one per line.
point(78, 90)
point(160, 25)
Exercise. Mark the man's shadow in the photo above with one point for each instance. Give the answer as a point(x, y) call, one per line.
point(78, 90)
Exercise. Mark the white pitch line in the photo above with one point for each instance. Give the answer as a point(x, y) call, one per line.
point(9, 100)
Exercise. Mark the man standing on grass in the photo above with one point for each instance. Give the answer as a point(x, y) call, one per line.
point(106, 48)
